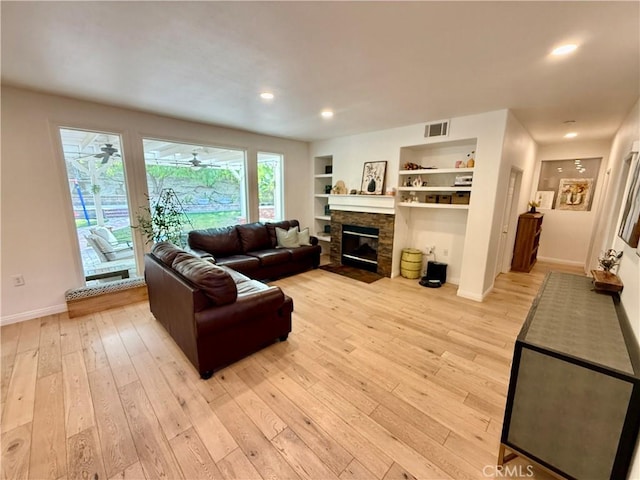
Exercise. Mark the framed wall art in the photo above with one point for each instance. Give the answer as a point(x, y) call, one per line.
point(630, 224)
point(373, 178)
point(574, 194)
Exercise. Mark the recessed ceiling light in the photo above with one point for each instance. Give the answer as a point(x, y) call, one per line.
point(564, 49)
point(267, 95)
point(326, 113)
point(571, 135)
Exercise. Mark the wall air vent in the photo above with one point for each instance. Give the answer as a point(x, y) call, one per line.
point(437, 129)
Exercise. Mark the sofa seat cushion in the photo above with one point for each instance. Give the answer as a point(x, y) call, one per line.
point(166, 252)
point(250, 287)
point(253, 236)
point(238, 277)
point(272, 256)
point(243, 263)
point(213, 281)
point(285, 225)
point(303, 252)
point(219, 242)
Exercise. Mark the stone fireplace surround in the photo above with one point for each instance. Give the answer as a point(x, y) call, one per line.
point(383, 222)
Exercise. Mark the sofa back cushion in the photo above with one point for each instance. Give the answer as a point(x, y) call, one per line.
point(213, 281)
point(166, 252)
point(219, 242)
point(253, 237)
point(285, 225)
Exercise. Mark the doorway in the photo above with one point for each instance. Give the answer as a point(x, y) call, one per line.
point(509, 223)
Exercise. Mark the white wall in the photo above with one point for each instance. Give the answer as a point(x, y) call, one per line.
point(350, 153)
point(629, 270)
point(518, 153)
point(38, 238)
point(566, 235)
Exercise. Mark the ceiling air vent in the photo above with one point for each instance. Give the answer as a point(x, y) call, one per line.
point(437, 129)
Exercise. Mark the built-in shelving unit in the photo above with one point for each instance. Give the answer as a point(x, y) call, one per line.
point(440, 176)
point(322, 183)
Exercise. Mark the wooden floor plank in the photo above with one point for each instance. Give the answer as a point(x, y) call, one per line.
point(303, 460)
point(132, 472)
point(153, 450)
point(18, 409)
point(92, 348)
point(83, 456)
point(29, 335)
point(49, 457)
point(260, 413)
point(320, 442)
point(115, 438)
point(261, 453)
point(210, 429)
point(69, 334)
point(119, 361)
point(16, 448)
point(168, 411)
point(193, 457)
point(78, 405)
point(236, 465)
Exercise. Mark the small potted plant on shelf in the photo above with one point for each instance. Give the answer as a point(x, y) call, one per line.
point(533, 205)
point(609, 260)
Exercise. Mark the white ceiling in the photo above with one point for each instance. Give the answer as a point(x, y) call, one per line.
point(376, 64)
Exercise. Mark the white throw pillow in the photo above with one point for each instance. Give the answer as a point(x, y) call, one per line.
point(304, 237)
point(287, 238)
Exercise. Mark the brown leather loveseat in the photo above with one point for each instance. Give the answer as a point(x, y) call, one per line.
point(215, 314)
point(252, 249)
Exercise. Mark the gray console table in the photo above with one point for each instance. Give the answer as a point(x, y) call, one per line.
point(573, 404)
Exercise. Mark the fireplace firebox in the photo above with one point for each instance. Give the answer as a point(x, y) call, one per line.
point(360, 247)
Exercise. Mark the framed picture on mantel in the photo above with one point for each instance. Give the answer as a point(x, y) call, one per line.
point(373, 178)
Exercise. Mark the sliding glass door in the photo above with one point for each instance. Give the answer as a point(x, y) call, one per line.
point(99, 205)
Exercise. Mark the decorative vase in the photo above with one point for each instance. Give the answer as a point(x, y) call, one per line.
point(532, 210)
point(372, 186)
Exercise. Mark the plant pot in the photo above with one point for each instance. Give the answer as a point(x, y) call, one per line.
point(532, 210)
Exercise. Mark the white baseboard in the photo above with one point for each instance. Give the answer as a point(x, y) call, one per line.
point(41, 312)
point(561, 261)
point(474, 296)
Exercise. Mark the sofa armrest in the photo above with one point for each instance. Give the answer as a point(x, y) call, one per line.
point(243, 309)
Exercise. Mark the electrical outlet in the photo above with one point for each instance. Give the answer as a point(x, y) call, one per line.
point(429, 249)
point(18, 280)
point(445, 252)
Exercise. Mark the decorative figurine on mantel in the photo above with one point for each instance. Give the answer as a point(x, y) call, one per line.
point(339, 189)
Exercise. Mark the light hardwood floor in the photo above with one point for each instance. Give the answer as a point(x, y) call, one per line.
point(382, 381)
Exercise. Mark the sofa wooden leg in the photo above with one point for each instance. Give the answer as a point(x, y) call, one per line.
point(283, 338)
point(206, 375)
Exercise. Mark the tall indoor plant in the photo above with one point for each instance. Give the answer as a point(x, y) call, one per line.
point(163, 220)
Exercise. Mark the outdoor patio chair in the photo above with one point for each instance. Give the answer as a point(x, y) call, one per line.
point(107, 252)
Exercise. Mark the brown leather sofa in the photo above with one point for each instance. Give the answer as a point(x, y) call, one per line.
point(215, 314)
point(251, 249)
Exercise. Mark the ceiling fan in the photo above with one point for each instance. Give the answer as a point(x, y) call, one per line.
point(108, 151)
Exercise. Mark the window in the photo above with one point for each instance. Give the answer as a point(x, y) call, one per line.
point(270, 187)
point(96, 180)
point(208, 181)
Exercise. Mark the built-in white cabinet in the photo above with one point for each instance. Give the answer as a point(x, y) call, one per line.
point(322, 184)
point(439, 184)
